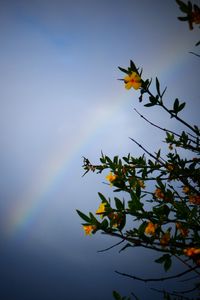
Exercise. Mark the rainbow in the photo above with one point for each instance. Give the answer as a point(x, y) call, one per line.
point(25, 212)
point(36, 198)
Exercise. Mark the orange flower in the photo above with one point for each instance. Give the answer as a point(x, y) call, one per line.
point(88, 229)
point(195, 18)
point(159, 194)
point(194, 199)
point(141, 184)
point(151, 228)
point(191, 251)
point(184, 231)
point(111, 177)
point(132, 80)
point(164, 241)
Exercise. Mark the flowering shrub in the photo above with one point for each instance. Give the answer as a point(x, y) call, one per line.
point(170, 223)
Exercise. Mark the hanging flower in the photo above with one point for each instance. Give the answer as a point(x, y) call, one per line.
point(132, 80)
point(151, 228)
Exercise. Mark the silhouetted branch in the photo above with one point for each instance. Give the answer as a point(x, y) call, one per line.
point(157, 279)
point(194, 53)
point(171, 294)
point(113, 246)
point(161, 128)
point(149, 153)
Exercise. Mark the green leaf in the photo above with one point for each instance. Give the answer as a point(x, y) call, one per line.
point(119, 204)
point(162, 211)
point(123, 70)
point(183, 7)
point(83, 216)
point(183, 18)
point(116, 295)
point(122, 223)
point(161, 185)
point(163, 92)
point(149, 104)
point(104, 224)
point(181, 106)
point(93, 220)
point(153, 99)
point(103, 199)
point(161, 259)
point(133, 66)
point(115, 160)
point(135, 203)
point(166, 259)
point(141, 228)
point(138, 191)
point(158, 86)
point(176, 105)
point(167, 263)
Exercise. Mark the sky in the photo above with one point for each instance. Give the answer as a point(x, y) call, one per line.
point(60, 100)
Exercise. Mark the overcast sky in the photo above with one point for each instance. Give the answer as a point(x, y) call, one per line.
point(61, 100)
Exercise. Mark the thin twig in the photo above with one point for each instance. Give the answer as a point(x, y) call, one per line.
point(173, 115)
point(136, 298)
point(113, 246)
point(161, 128)
point(157, 279)
point(194, 53)
point(149, 153)
point(185, 263)
point(168, 293)
point(187, 291)
point(190, 278)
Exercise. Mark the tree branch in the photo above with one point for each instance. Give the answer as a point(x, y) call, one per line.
point(157, 279)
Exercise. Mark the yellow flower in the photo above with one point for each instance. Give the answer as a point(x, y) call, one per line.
point(165, 239)
point(191, 251)
point(101, 209)
point(150, 228)
point(111, 177)
point(88, 229)
point(132, 80)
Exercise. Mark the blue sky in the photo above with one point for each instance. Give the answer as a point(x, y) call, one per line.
point(61, 100)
